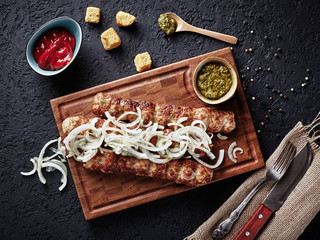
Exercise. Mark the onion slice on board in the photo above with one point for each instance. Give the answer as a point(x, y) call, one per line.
point(238, 149)
point(230, 150)
point(222, 137)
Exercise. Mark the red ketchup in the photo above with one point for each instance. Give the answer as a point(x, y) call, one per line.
point(54, 49)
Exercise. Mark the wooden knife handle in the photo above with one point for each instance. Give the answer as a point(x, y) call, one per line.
point(255, 223)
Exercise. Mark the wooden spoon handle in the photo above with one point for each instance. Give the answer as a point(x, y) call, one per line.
point(216, 35)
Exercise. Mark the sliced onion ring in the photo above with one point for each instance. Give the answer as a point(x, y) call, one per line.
point(33, 170)
point(230, 150)
point(40, 160)
point(237, 149)
point(217, 164)
point(64, 174)
point(222, 137)
point(50, 163)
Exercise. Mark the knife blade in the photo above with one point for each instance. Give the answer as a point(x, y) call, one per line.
point(278, 194)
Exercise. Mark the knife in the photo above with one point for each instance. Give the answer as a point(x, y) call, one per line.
point(278, 194)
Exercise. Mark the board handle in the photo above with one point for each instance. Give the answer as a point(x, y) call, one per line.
point(255, 223)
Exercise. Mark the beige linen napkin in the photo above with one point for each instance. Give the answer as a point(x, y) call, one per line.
point(298, 210)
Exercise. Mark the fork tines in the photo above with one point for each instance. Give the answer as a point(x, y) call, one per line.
point(285, 158)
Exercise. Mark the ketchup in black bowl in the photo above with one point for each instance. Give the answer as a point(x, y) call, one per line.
point(54, 49)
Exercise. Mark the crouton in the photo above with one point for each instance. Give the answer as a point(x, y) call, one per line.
point(143, 62)
point(124, 19)
point(93, 15)
point(110, 39)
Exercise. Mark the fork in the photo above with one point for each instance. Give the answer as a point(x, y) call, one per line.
point(274, 174)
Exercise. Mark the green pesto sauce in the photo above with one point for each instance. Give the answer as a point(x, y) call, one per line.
point(214, 80)
point(167, 24)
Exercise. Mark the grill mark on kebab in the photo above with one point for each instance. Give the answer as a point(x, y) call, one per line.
point(215, 120)
point(182, 171)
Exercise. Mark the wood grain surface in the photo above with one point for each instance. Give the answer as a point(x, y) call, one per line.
point(101, 194)
point(256, 222)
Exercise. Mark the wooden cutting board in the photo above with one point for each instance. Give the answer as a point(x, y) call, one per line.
point(101, 194)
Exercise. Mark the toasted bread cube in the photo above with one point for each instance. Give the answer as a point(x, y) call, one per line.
point(110, 39)
point(143, 62)
point(93, 15)
point(124, 19)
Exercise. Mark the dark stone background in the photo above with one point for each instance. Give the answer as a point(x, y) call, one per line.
point(31, 210)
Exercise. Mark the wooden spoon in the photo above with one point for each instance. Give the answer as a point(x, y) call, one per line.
point(182, 26)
